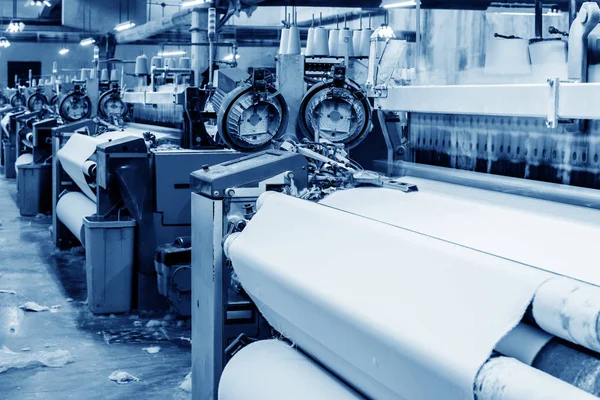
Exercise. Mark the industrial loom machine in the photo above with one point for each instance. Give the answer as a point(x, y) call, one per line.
point(472, 278)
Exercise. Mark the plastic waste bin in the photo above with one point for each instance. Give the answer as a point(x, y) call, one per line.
point(109, 244)
point(34, 185)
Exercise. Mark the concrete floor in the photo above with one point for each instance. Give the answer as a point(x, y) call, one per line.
point(99, 345)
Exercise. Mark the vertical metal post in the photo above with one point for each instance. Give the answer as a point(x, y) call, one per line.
point(197, 51)
point(539, 12)
point(418, 37)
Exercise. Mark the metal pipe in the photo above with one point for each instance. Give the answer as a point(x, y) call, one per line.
point(198, 53)
point(539, 11)
point(522, 187)
point(350, 16)
point(152, 28)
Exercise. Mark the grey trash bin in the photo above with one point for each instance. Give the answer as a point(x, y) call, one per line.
point(109, 244)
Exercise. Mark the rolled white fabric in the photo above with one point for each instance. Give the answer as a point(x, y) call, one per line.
point(372, 302)
point(71, 208)
point(523, 343)
point(272, 370)
point(555, 237)
point(23, 159)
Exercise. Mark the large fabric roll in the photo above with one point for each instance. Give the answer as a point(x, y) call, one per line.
point(398, 314)
point(273, 370)
point(556, 237)
point(71, 208)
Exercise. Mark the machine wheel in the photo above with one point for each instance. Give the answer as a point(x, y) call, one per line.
point(75, 107)
point(247, 122)
point(342, 115)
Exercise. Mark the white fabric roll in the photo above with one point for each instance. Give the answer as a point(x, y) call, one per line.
point(272, 370)
point(79, 148)
point(23, 159)
point(397, 314)
point(71, 208)
point(556, 237)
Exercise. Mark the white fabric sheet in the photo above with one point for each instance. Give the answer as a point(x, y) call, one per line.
point(552, 236)
point(398, 314)
point(272, 370)
point(79, 148)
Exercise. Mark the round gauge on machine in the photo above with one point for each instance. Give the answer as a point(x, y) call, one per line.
point(341, 115)
point(110, 105)
point(36, 102)
point(249, 122)
point(17, 100)
point(75, 107)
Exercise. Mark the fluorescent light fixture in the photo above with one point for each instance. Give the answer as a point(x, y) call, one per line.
point(47, 3)
point(123, 26)
point(401, 4)
point(172, 53)
point(87, 41)
point(63, 51)
point(500, 8)
point(546, 14)
point(191, 3)
point(4, 43)
point(229, 57)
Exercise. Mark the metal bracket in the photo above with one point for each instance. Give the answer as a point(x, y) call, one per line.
point(552, 118)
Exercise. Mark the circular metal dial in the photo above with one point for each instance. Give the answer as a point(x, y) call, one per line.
point(111, 106)
point(36, 102)
point(17, 100)
point(248, 122)
point(75, 107)
point(340, 115)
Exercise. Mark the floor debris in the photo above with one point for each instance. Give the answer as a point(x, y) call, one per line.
point(122, 377)
point(54, 359)
point(153, 323)
point(151, 349)
point(186, 384)
point(33, 306)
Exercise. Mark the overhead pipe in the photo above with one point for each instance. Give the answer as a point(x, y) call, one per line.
point(153, 28)
point(349, 16)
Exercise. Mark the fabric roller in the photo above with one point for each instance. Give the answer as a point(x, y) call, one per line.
point(273, 370)
point(358, 274)
point(23, 159)
point(71, 208)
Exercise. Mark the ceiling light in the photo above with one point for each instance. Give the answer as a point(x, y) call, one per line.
point(500, 8)
point(172, 53)
point(401, 4)
point(87, 41)
point(63, 51)
point(123, 26)
point(4, 43)
point(47, 3)
point(191, 3)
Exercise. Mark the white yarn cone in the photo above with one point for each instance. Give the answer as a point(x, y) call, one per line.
point(356, 34)
point(321, 48)
point(104, 75)
point(294, 44)
point(285, 40)
point(114, 75)
point(365, 42)
point(310, 42)
point(334, 42)
point(345, 43)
